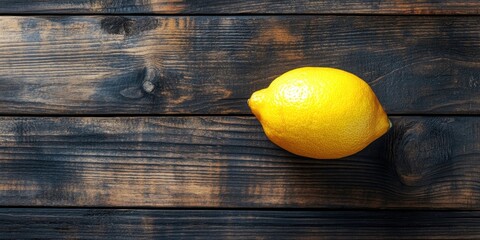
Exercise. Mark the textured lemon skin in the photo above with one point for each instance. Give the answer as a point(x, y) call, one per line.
point(318, 112)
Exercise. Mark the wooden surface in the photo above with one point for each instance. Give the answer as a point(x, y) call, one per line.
point(424, 162)
point(128, 120)
point(242, 6)
point(211, 65)
point(227, 224)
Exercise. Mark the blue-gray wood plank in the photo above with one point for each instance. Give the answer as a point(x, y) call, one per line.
point(98, 65)
point(407, 7)
point(41, 223)
point(227, 162)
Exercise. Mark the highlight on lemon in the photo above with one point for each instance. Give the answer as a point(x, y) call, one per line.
point(320, 112)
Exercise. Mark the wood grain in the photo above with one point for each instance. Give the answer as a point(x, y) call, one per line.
point(424, 162)
point(211, 65)
point(242, 6)
point(225, 224)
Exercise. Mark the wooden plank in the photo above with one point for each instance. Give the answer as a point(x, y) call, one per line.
point(227, 224)
point(424, 162)
point(212, 64)
point(242, 6)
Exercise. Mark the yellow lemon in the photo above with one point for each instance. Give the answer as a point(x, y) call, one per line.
point(320, 112)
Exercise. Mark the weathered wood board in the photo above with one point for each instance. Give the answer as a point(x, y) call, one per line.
point(407, 7)
point(47, 223)
point(424, 162)
point(211, 64)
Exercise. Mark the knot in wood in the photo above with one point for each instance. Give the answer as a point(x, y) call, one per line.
point(420, 149)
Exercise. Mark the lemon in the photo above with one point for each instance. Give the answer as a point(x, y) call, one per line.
point(319, 112)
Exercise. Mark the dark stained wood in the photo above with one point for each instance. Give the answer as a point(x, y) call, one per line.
point(225, 224)
point(212, 64)
point(424, 162)
point(242, 6)
point(196, 63)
